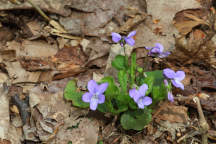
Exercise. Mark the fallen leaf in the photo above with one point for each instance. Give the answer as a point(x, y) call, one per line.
point(86, 131)
point(68, 62)
point(56, 6)
point(4, 112)
point(37, 49)
point(186, 20)
point(18, 74)
point(173, 114)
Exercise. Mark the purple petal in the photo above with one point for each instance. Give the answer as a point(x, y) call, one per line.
point(134, 94)
point(164, 54)
point(148, 48)
point(140, 103)
point(131, 34)
point(143, 88)
point(147, 100)
point(160, 46)
point(116, 37)
point(165, 82)
point(87, 97)
point(169, 73)
point(101, 99)
point(130, 41)
point(177, 84)
point(92, 86)
point(180, 75)
point(102, 88)
point(93, 103)
point(155, 50)
point(170, 97)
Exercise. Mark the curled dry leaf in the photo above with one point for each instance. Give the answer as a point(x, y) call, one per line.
point(48, 109)
point(186, 20)
point(68, 62)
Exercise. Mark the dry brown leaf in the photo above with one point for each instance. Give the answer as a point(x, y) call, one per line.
point(4, 112)
point(53, 6)
point(38, 49)
point(132, 22)
point(68, 61)
point(17, 74)
point(86, 133)
point(173, 114)
point(186, 20)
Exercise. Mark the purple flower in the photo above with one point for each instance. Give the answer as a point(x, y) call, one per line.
point(95, 95)
point(170, 96)
point(176, 77)
point(139, 96)
point(166, 82)
point(157, 50)
point(129, 39)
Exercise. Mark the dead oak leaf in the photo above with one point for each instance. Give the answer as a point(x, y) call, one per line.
point(174, 114)
point(68, 61)
point(186, 20)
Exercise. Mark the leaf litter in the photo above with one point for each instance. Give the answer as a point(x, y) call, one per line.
point(37, 60)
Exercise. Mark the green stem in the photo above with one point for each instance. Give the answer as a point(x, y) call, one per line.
point(126, 57)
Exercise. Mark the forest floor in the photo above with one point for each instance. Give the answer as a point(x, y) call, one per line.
point(46, 43)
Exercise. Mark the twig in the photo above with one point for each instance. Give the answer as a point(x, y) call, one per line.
point(187, 135)
point(39, 10)
point(204, 127)
point(57, 28)
point(55, 24)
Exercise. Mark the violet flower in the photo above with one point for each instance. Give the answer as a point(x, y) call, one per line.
point(122, 39)
point(157, 51)
point(139, 96)
point(175, 77)
point(169, 94)
point(95, 95)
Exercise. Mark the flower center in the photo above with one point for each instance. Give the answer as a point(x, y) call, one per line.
point(140, 101)
point(95, 96)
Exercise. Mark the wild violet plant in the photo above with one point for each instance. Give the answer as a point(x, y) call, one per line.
point(135, 93)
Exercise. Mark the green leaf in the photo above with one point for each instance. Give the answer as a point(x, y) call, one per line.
point(115, 107)
point(119, 63)
point(71, 93)
point(152, 79)
point(133, 105)
point(136, 120)
point(123, 97)
point(157, 75)
point(100, 142)
point(111, 92)
point(149, 80)
point(118, 106)
point(133, 68)
point(112, 89)
point(123, 80)
point(105, 107)
point(159, 93)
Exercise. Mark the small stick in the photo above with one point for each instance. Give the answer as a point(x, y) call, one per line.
point(187, 135)
point(39, 10)
point(204, 127)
